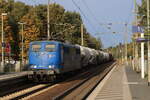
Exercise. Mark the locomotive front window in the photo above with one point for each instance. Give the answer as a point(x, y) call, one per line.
point(36, 47)
point(50, 47)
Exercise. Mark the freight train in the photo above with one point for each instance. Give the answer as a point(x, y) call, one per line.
point(48, 59)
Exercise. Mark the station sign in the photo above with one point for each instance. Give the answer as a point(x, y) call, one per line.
point(142, 40)
point(137, 29)
point(7, 48)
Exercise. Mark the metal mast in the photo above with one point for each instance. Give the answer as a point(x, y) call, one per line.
point(48, 21)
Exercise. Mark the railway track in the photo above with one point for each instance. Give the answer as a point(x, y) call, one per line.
point(25, 92)
point(82, 84)
point(84, 88)
point(9, 82)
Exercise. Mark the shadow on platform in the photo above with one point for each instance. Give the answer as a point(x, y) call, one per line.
point(139, 88)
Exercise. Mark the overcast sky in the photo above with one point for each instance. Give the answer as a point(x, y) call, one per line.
point(98, 13)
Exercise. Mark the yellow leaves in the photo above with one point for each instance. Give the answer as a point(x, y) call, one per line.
point(7, 28)
point(30, 32)
point(5, 17)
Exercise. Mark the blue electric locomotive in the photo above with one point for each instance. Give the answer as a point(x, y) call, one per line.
point(50, 58)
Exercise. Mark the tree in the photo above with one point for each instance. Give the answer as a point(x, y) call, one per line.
point(142, 13)
point(74, 19)
point(64, 25)
point(31, 30)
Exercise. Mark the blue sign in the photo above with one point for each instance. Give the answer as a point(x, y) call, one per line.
point(142, 40)
point(137, 29)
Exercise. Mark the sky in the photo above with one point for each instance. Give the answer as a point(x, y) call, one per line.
point(97, 14)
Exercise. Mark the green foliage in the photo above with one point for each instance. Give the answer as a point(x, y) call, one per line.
point(64, 25)
point(142, 13)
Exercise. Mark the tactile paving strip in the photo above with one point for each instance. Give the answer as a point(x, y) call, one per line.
point(113, 89)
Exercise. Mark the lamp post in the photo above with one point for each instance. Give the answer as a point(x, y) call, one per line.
point(82, 35)
point(48, 21)
point(125, 42)
point(148, 43)
point(2, 64)
point(22, 25)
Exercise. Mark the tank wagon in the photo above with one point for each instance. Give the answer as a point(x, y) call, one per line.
point(48, 59)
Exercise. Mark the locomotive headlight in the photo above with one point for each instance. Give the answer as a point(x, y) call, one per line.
point(51, 66)
point(34, 66)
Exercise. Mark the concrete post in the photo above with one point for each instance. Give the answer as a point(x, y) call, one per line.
point(148, 43)
point(48, 21)
point(2, 37)
point(136, 57)
point(133, 65)
point(142, 57)
point(22, 38)
point(2, 63)
point(82, 43)
point(126, 45)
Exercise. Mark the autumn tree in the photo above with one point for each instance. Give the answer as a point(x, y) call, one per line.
point(31, 30)
point(64, 25)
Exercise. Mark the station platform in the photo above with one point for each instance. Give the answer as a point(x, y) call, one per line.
point(12, 75)
point(122, 83)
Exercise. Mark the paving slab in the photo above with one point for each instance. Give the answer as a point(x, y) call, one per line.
point(122, 83)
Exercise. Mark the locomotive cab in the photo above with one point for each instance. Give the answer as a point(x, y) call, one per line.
point(51, 58)
point(44, 59)
point(43, 56)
